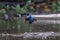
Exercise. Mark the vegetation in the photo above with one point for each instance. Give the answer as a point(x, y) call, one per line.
point(56, 6)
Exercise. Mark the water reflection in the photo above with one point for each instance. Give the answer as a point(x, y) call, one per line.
point(31, 36)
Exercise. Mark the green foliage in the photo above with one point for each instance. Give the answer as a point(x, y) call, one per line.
point(18, 8)
point(8, 7)
point(1, 6)
point(23, 9)
point(56, 6)
point(29, 2)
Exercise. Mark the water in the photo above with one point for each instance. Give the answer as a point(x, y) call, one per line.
point(31, 36)
point(34, 34)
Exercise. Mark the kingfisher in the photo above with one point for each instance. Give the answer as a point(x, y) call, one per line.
point(30, 18)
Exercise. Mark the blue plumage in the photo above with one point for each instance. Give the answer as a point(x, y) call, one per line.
point(31, 18)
